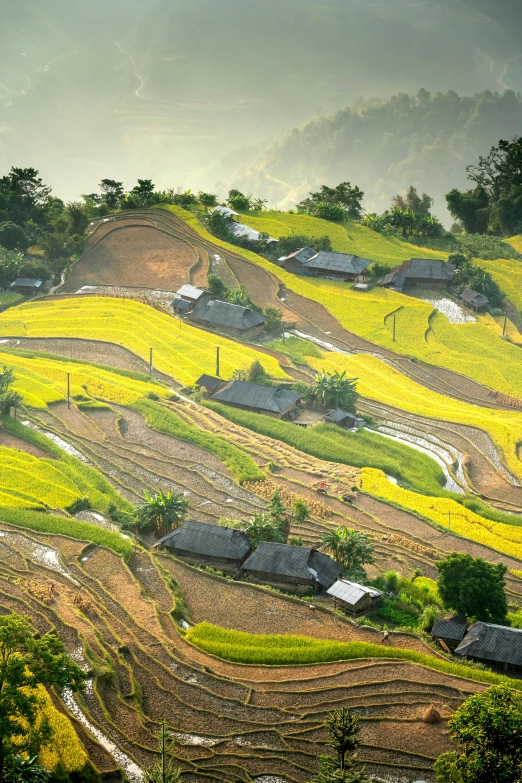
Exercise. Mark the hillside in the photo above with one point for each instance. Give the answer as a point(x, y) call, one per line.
point(383, 146)
point(221, 661)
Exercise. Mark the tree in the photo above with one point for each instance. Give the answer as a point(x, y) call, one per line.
point(143, 194)
point(276, 508)
point(8, 397)
point(300, 512)
point(13, 237)
point(240, 296)
point(339, 203)
point(335, 390)
point(470, 208)
point(349, 548)
point(112, 192)
point(164, 771)
point(238, 200)
point(470, 275)
point(239, 375)
point(256, 373)
point(343, 738)
point(274, 319)
point(263, 528)
point(473, 587)
point(76, 212)
point(258, 204)
point(26, 770)
point(411, 200)
point(162, 512)
point(25, 663)
point(207, 200)
point(286, 245)
point(488, 728)
point(216, 287)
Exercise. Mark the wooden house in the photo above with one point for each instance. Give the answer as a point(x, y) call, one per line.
point(270, 400)
point(210, 383)
point(27, 286)
point(420, 272)
point(353, 598)
point(224, 548)
point(450, 631)
point(347, 421)
point(293, 568)
point(326, 264)
point(228, 318)
point(474, 299)
point(496, 646)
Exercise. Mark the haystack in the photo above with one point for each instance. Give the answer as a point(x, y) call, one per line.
point(431, 715)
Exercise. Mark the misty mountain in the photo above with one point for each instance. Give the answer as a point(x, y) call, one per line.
point(384, 147)
point(165, 88)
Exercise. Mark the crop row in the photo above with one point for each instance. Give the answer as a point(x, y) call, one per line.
point(65, 748)
point(37, 480)
point(379, 381)
point(447, 513)
point(492, 362)
point(179, 349)
point(361, 449)
point(42, 380)
point(286, 649)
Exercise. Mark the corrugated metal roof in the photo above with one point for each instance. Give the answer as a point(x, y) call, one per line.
point(216, 313)
point(338, 262)
point(206, 540)
point(253, 395)
point(191, 292)
point(351, 592)
point(226, 211)
point(490, 642)
point(27, 282)
point(473, 297)
point(298, 562)
point(452, 628)
point(303, 255)
point(241, 230)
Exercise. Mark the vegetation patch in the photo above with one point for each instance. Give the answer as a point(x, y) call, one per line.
point(66, 526)
point(360, 449)
point(284, 650)
point(241, 465)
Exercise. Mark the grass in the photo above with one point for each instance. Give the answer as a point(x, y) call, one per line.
point(284, 650)
point(42, 379)
point(505, 538)
point(179, 350)
point(469, 349)
point(9, 299)
point(66, 526)
point(378, 381)
point(360, 449)
point(296, 349)
point(241, 465)
point(63, 470)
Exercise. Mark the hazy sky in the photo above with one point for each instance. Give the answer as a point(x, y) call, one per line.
point(165, 88)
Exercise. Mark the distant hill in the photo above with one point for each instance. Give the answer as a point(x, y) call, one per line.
point(155, 88)
point(383, 146)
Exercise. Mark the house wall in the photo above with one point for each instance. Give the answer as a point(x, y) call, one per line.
point(273, 414)
point(228, 330)
point(440, 285)
point(223, 564)
point(288, 583)
point(20, 289)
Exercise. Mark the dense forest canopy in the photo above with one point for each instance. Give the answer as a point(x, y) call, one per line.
point(385, 146)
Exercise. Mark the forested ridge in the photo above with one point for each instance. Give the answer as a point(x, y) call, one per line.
point(385, 146)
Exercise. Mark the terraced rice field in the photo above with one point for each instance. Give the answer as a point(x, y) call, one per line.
point(230, 721)
point(179, 349)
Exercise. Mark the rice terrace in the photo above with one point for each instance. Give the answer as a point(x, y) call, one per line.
point(237, 527)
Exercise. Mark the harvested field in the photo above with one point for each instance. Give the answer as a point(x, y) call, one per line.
point(262, 721)
point(134, 252)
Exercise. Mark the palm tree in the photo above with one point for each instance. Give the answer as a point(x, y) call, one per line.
point(336, 390)
point(332, 543)
point(349, 548)
point(262, 528)
point(162, 512)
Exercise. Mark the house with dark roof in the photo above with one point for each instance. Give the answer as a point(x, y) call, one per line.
point(348, 421)
point(270, 400)
point(474, 299)
point(181, 306)
point(210, 383)
point(294, 261)
point(326, 264)
point(450, 630)
point(28, 286)
point(496, 646)
point(419, 272)
point(295, 568)
point(228, 318)
point(198, 542)
point(353, 598)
